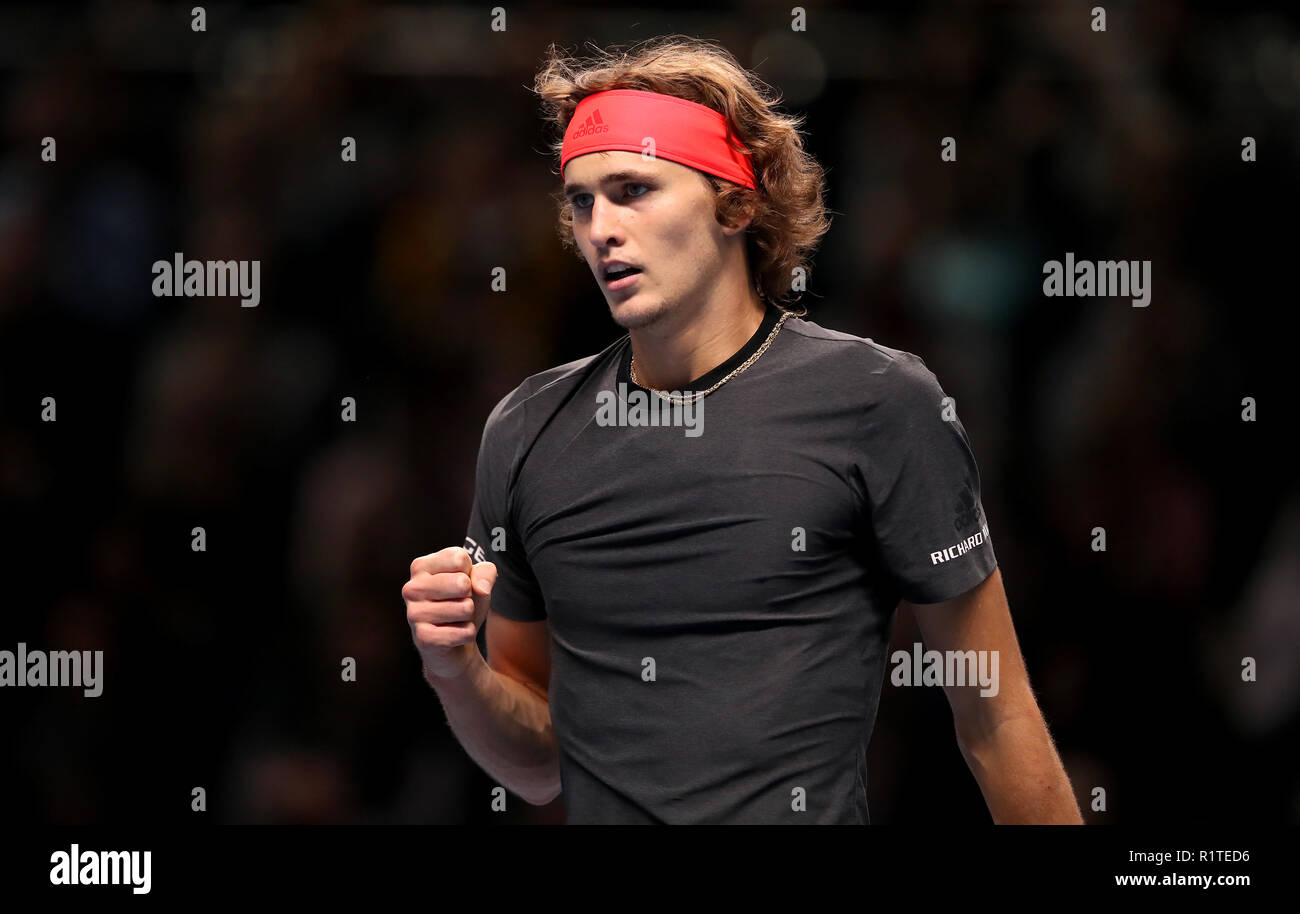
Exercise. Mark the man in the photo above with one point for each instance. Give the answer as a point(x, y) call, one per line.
point(687, 621)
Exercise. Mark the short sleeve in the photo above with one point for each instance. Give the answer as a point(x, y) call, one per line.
point(923, 487)
point(491, 535)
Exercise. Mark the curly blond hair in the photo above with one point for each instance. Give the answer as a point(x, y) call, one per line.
point(788, 211)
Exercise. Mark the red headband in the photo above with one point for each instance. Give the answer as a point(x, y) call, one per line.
point(683, 131)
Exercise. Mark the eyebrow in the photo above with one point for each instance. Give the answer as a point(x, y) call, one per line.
point(614, 178)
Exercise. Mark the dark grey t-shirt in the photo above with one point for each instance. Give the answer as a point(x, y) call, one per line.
point(720, 591)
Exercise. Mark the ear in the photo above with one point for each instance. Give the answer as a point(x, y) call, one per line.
point(742, 221)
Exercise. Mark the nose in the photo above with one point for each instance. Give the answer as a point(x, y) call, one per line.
point(604, 224)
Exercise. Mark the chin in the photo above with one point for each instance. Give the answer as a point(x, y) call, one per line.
point(633, 314)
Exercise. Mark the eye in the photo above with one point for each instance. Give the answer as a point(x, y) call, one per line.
point(578, 198)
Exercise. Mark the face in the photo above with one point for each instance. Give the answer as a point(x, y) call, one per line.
point(653, 214)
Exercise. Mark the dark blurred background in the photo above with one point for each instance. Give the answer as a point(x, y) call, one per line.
point(222, 668)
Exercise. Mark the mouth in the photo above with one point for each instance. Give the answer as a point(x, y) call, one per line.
point(621, 278)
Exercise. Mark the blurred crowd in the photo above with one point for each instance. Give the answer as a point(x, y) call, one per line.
point(222, 667)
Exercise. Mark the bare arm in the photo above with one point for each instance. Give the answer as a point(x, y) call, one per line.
point(504, 726)
point(1003, 737)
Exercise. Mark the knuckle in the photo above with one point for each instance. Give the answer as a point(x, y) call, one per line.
point(424, 611)
point(454, 556)
point(451, 586)
point(439, 612)
point(426, 633)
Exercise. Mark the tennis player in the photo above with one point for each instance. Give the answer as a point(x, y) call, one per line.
point(694, 628)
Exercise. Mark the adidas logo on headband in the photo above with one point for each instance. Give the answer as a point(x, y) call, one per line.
point(592, 126)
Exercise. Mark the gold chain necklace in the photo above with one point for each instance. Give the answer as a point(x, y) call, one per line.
point(737, 370)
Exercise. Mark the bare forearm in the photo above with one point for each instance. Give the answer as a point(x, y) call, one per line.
point(505, 728)
point(1020, 773)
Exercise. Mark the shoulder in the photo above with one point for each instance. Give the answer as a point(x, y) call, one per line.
point(546, 386)
point(885, 377)
point(535, 384)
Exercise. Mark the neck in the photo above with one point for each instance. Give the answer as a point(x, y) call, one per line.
point(676, 351)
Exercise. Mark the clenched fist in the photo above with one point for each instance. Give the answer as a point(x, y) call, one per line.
point(447, 600)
